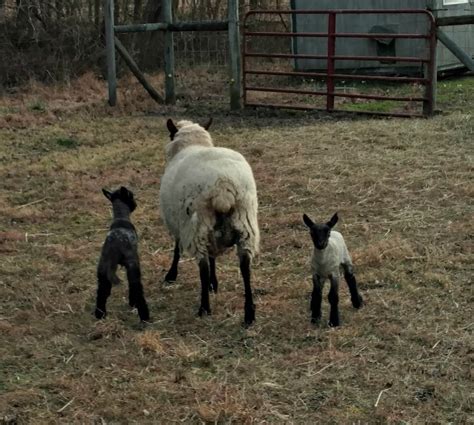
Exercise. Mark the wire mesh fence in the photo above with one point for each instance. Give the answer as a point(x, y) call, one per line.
point(56, 40)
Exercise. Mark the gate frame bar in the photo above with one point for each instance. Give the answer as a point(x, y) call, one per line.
point(429, 63)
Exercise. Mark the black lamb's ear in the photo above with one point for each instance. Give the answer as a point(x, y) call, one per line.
point(171, 128)
point(107, 194)
point(331, 223)
point(307, 221)
point(124, 192)
point(208, 124)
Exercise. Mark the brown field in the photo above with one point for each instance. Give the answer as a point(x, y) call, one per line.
point(403, 189)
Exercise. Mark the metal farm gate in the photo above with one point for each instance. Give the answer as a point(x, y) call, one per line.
point(426, 59)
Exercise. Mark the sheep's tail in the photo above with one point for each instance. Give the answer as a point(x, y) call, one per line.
point(223, 196)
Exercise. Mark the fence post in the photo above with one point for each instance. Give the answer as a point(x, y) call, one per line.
point(235, 56)
point(170, 97)
point(431, 74)
point(110, 50)
point(330, 61)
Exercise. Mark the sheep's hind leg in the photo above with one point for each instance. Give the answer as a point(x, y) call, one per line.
point(249, 309)
point(204, 274)
point(135, 291)
point(173, 271)
point(316, 298)
point(213, 284)
point(333, 298)
point(349, 276)
point(103, 292)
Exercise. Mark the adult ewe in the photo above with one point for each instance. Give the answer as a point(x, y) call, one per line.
point(208, 201)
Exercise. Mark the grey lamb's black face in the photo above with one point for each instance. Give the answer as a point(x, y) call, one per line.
point(320, 233)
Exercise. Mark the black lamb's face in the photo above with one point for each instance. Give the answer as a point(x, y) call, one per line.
point(122, 194)
point(320, 233)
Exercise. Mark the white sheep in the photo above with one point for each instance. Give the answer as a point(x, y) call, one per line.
point(208, 202)
point(329, 254)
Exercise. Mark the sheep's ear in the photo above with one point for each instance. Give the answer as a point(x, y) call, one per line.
point(307, 221)
point(331, 223)
point(171, 128)
point(208, 124)
point(107, 194)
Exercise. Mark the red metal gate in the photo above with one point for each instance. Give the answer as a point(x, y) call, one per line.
point(330, 76)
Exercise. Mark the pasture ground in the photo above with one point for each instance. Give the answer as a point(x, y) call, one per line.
point(403, 189)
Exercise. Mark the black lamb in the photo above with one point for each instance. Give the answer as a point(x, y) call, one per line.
point(120, 248)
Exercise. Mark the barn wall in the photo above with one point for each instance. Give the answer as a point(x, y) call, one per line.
point(464, 35)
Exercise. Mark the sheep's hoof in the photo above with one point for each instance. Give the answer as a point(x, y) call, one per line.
point(204, 312)
point(249, 315)
point(171, 276)
point(143, 313)
point(315, 320)
point(213, 287)
point(100, 314)
point(357, 302)
point(333, 323)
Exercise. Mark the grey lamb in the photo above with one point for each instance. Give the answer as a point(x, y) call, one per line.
point(330, 253)
point(120, 248)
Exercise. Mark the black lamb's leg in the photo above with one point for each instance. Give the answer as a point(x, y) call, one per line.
point(213, 278)
point(173, 271)
point(249, 308)
point(135, 291)
point(103, 292)
point(349, 276)
point(333, 299)
point(204, 274)
point(316, 298)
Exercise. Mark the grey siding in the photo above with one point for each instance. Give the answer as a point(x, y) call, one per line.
point(463, 35)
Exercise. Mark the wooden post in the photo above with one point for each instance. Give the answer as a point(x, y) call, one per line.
point(136, 71)
point(170, 97)
point(431, 73)
point(455, 49)
point(110, 50)
point(235, 58)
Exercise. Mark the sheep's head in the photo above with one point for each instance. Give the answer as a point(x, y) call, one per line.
point(320, 232)
point(173, 129)
point(185, 134)
point(124, 195)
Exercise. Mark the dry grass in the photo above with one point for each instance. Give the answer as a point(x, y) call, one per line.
point(403, 189)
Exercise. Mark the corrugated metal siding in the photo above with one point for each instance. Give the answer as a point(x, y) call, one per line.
point(463, 35)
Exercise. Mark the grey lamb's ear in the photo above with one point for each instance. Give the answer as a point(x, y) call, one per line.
point(307, 221)
point(107, 194)
point(331, 223)
point(171, 128)
point(208, 124)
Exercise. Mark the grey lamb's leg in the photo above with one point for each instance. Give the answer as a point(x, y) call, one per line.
point(349, 276)
point(204, 274)
point(249, 308)
point(316, 298)
point(173, 271)
point(213, 278)
point(333, 298)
